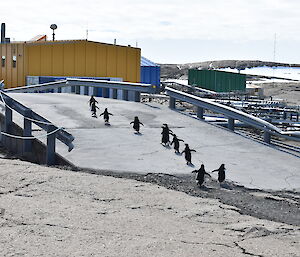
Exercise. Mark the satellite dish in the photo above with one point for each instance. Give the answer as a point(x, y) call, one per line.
point(53, 26)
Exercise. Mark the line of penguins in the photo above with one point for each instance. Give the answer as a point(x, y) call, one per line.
point(165, 141)
point(94, 107)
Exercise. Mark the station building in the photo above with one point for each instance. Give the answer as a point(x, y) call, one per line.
point(69, 58)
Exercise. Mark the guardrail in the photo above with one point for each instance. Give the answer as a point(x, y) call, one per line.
point(38, 88)
point(30, 117)
point(232, 114)
point(105, 85)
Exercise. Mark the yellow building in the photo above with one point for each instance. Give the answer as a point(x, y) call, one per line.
point(80, 58)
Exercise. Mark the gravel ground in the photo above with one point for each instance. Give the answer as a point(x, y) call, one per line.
point(280, 206)
point(45, 211)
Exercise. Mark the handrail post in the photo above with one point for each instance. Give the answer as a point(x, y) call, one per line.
point(231, 123)
point(95, 91)
point(105, 92)
point(7, 123)
point(50, 152)
point(86, 90)
point(267, 137)
point(77, 90)
point(27, 132)
point(125, 95)
point(172, 103)
point(137, 96)
point(200, 112)
point(115, 93)
point(8, 116)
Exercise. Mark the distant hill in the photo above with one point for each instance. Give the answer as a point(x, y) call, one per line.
point(180, 71)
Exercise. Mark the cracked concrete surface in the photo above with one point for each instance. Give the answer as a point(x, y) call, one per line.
point(52, 212)
point(248, 163)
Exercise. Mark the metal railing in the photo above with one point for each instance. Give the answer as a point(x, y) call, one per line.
point(30, 117)
point(105, 85)
point(232, 114)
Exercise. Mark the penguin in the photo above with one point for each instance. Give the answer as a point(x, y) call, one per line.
point(94, 108)
point(136, 124)
point(200, 175)
point(176, 141)
point(165, 134)
point(221, 173)
point(92, 101)
point(187, 154)
point(106, 115)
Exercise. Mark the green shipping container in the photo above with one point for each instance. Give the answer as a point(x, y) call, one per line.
point(218, 81)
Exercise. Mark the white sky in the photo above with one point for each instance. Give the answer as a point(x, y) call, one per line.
point(168, 31)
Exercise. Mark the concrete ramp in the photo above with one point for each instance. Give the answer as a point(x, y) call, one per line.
point(117, 147)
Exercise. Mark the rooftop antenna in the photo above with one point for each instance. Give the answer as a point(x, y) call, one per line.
point(53, 27)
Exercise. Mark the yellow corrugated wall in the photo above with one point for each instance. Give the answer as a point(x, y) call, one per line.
point(84, 59)
point(12, 76)
point(70, 58)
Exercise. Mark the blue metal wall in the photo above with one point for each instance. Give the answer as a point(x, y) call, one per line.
point(150, 72)
point(150, 75)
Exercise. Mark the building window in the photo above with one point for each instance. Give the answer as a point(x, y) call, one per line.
point(14, 61)
point(3, 61)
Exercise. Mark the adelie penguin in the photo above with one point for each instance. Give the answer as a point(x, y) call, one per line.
point(92, 101)
point(200, 175)
point(136, 124)
point(94, 108)
point(187, 154)
point(106, 116)
point(165, 140)
point(221, 173)
point(176, 141)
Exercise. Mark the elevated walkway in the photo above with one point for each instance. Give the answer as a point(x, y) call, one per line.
point(116, 147)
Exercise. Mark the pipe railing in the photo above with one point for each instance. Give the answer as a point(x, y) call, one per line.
point(30, 117)
point(231, 113)
point(105, 85)
point(37, 88)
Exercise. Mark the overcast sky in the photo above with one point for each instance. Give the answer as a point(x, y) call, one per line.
point(168, 31)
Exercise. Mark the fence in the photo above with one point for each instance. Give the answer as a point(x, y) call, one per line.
point(232, 114)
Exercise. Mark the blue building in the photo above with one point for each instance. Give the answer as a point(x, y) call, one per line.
point(150, 72)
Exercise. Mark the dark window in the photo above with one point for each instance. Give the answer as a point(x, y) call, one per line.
point(3, 61)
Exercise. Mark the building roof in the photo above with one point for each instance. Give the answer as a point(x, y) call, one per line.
point(68, 41)
point(147, 62)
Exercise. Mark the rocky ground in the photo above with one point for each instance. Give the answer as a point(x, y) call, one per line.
point(53, 212)
point(287, 91)
point(180, 71)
